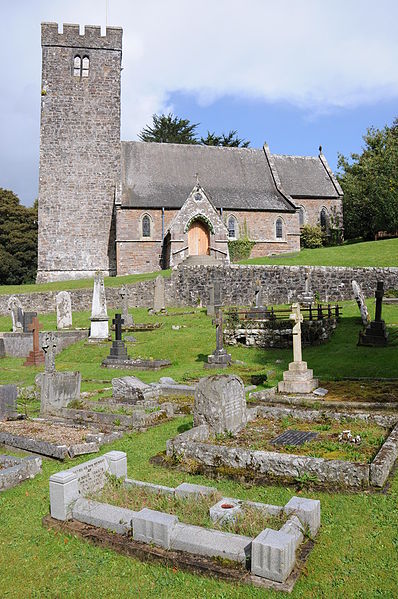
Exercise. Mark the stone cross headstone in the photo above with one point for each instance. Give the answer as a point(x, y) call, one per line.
point(118, 351)
point(299, 378)
point(308, 295)
point(8, 401)
point(118, 322)
point(375, 334)
point(217, 295)
point(158, 297)
point(99, 329)
point(360, 299)
point(219, 358)
point(49, 345)
point(15, 307)
point(64, 310)
point(36, 356)
point(124, 295)
point(220, 403)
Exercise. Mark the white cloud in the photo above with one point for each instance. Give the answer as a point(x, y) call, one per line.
point(314, 54)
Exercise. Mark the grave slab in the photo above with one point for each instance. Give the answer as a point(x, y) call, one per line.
point(190, 490)
point(213, 543)
point(111, 517)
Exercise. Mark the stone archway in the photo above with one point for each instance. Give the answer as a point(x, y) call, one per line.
point(198, 238)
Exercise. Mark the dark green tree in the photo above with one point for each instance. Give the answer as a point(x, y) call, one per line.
point(167, 128)
point(18, 240)
point(370, 184)
point(231, 140)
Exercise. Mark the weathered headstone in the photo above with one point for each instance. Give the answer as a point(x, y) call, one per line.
point(159, 297)
point(99, 329)
point(375, 334)
point(27, 320)
point(49, 346)
point(210, 305)
point(64, 310)
point(258, 295)
point(15, 307)
point(299, 378)
point(220, 403)
point(360, 299)
point(8, 401)
point(36, 356)
point(219, 358)
point(124, 295)
point(129, 389)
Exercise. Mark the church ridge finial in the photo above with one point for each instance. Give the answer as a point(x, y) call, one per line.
point(197, 179)
point(320, 149)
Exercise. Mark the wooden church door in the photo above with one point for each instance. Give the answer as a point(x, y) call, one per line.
point(198, 239)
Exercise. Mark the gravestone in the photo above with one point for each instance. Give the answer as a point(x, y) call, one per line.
point(118, 349)
point(2, 348)
point(49, 346)
point(99, 329)
point(258, 295)
point(158, 297)
point(219, 358)
point(220, 403)
point(130, 389)
point(15, 307)
point(360, 299)
point(64, 310)
point(375, 334)
point(299, 378)
point(27, 320)
point(8, 402)
point(307, 297)
point(36, 356)
point(124, 295)
point(210, 305)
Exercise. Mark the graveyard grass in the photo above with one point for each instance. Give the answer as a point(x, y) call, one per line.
point(369, 253)
point(356, 552)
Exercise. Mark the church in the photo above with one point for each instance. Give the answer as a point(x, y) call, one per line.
point(125, 207)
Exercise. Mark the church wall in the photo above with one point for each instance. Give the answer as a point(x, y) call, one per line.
point(79, 152)
point(313, 207)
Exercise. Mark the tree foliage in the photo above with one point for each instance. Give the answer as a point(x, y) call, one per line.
point(370, 184)
point(168, 128)
point(18, 240)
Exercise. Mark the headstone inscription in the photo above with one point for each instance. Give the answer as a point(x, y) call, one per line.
point(64, 310)
point(36, 356)
point(159, 296)
point(220, 403)
point(124, 296)
point(15, 307)
point(360, 299)
point(219, 358)
point(8, 402)
point(299, 378)
point(99, 329)
point(375, 334)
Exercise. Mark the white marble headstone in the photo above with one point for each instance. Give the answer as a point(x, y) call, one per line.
point(15, 307)
point(64, 310)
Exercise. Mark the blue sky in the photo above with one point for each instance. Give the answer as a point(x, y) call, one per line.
point(296, 73)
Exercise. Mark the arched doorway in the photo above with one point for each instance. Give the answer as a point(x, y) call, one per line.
point(198, 239)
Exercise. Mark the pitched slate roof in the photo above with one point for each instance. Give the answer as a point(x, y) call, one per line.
point(306, 176)
point(156, 175)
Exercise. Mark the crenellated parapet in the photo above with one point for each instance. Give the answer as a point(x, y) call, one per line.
point(91, 37)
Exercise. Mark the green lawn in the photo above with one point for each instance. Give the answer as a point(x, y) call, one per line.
point(80, 283)
point(355, 555)
point(370, 253)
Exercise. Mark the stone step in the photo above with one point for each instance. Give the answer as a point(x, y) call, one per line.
point(198, 260)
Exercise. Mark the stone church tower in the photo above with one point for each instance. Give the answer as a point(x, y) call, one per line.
point(79, 151)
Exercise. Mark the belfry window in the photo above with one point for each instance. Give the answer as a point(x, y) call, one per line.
point(81, 66)
point(146, 226)
point(279, 228)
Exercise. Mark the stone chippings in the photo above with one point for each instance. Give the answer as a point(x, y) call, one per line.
point(15, 470)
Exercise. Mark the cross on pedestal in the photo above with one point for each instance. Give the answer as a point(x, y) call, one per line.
point(218, 321)
point(49, 345)
point(36, 356)
point(298, 319)
point(118, 322)
point(375, 334)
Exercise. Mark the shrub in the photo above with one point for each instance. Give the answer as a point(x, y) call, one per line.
point(240, 249)
point(311, 236)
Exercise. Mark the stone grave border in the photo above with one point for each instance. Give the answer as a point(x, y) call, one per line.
point(15, 470)
point(59, 452)
point(272, 560)
point(273, 466)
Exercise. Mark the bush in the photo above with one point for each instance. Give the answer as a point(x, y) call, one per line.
point(240, 249)
point(311, 236)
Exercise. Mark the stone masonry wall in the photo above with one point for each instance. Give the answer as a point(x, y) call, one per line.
point(79, 152)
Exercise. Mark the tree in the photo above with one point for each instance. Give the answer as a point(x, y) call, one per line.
point(370, 184)
point(231, 140)
point(167, 128)
point(18, 240)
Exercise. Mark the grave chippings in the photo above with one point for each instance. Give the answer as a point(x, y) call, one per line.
point(17, 314)
point(99, 329)
point(299, 378)
point(375, 334)
point(270, 555)
point(36, 356)
point(220, 403)
point(360, 299)
point(64, 310)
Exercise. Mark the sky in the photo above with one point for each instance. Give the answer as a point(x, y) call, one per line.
point(294, 73)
